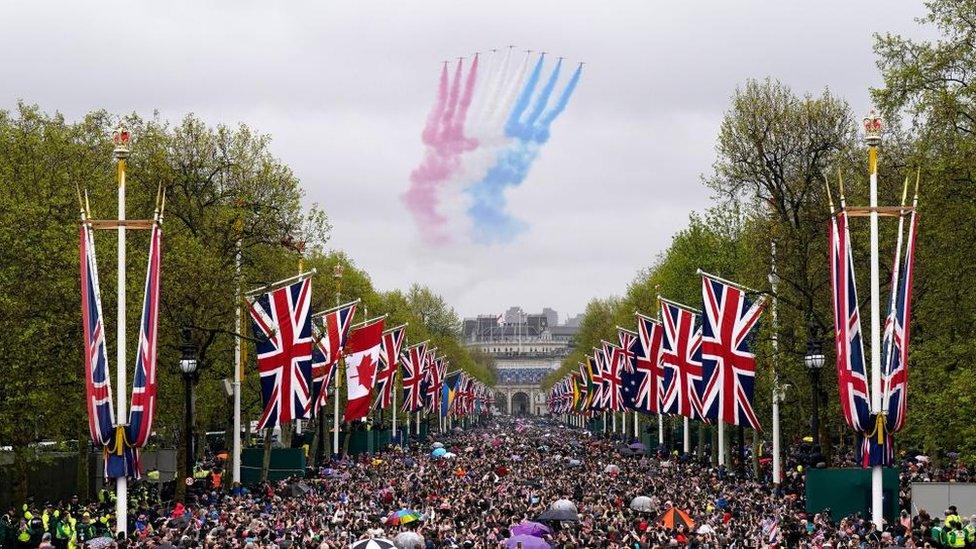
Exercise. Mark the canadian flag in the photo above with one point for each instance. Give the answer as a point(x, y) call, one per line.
point(362, 361)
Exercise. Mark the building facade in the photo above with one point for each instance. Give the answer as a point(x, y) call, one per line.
point(526, 348)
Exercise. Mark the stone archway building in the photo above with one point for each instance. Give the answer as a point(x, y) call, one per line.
point(526, 349)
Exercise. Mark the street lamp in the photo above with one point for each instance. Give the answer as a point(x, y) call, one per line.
point(188, 367)
point(814, 361)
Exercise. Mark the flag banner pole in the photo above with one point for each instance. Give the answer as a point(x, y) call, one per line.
point(876, 473)
point(280, 284)
point(660, 429)
point(334, 309)
point(121, 484)
point(729, 282)
point(680, 305)
point(369, 322)
point(721, 442)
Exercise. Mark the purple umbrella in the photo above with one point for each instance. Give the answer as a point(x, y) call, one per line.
point(527, 542)
point(637, 446)
point(529, 528)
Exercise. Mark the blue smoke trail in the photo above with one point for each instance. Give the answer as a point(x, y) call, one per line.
point(524, 98)
point(492, 224)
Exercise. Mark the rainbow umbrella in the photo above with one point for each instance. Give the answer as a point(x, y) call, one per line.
point(403, 516)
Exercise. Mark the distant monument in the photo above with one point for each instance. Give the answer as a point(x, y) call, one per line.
point(526, 347)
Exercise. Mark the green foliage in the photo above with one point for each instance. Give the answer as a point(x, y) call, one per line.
point(930, 83)
point(225, 192)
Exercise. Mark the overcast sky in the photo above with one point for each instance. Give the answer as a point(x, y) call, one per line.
point(344, 89)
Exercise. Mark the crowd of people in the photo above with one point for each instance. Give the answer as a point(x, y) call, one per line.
point(491, 479)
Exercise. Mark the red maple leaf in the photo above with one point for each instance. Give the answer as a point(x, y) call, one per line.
point(365, 370)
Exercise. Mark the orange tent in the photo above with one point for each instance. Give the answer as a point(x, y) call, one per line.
point(674, 517)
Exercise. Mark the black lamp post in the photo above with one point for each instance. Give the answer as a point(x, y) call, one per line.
point(814, 360)
point(188, 367)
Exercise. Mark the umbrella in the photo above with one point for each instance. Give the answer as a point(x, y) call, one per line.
point(675, 517)
point(437, 445)
point(529, 528)
point(558, 515)
point(574, 463)
point(450, 455)
point(526, 542)
point(563, 505)
point(439, 452)
point(641, 503)
point(99, 543)
point(409, 540)
point(403, 516)
point(705, 529)
point(637, 447)
point(373, 543)
point(612, 469)
point(501, 470)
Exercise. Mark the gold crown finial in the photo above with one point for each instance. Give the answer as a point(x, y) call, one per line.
point(872, 128)
point(120, 136)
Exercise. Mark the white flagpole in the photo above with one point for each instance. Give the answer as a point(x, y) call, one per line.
point(238, 368)
point(777, 394)
point(335, 410)
point(721, 439)
point(636, 425)
point(121, 152)
point(873, 139)
point(660, 429)
point(393, 381)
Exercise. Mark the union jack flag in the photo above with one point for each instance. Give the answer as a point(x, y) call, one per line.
point(681, 359)
point(851, 379)
point(143, 403)
point(330, 339)
point(638, 379)
point(98, 386)
point(596, 382)
point(585, 384)
point(897, 328)
point(389, 363)
point(649, 361)
point(435, 382)
point(413, 361)
point(282, 326)
point(613, 366)
point(728, 364)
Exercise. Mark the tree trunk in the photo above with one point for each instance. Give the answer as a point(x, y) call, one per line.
point(286, 431)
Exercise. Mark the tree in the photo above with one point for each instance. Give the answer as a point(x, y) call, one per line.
point(930, 84)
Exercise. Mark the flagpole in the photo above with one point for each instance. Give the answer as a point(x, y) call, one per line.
point(337, 275)
point(777, 392)
point(394, 389)
point(121, 152)
point(636, 425)
point(873, 138)
point(238, 369)
point(660, 429)
point(721, 438)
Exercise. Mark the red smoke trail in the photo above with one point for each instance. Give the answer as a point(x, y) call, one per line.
point(445, 140)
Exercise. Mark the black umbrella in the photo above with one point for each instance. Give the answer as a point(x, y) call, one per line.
point(558, 515)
